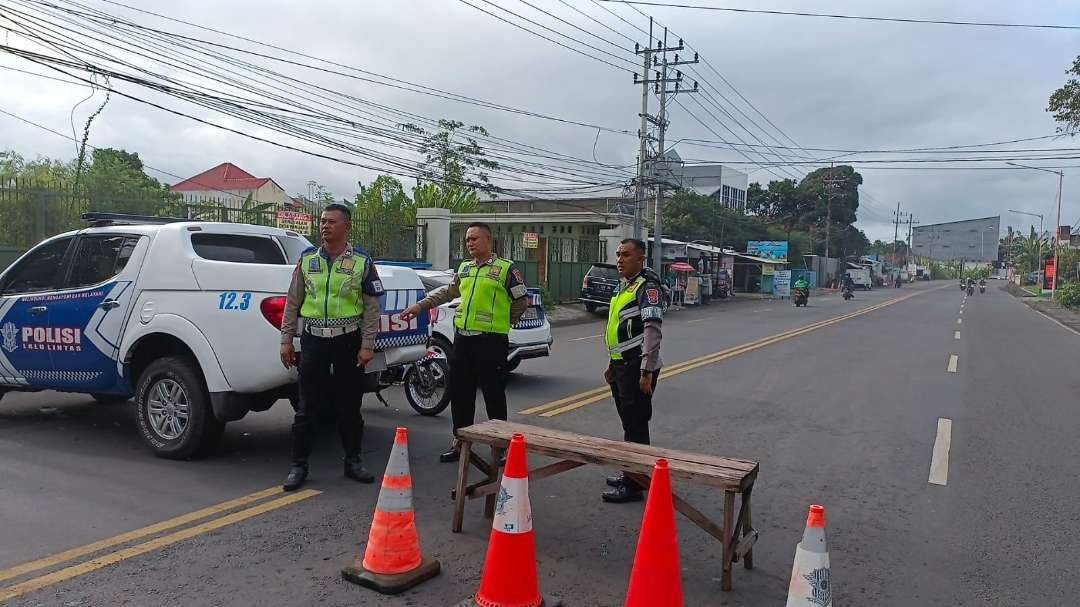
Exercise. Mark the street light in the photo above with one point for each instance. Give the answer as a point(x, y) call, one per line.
point(1039, 215)
point(982, 252)
point(1061, 179)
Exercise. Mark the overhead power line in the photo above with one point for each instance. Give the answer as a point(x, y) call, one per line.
point(1051, 26)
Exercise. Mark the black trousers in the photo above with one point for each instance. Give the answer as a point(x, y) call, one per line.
point(328, 372)
point(633, 405)
point(478, 361)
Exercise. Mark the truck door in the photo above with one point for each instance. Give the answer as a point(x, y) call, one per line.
point(27, 290)
point(87, 319)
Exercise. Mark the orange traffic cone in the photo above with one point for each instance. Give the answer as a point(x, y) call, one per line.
point(393, 561)
point(509, 578)
point(654, 580)
point(811, 585)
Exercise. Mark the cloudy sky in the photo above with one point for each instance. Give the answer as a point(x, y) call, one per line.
point(830, 84)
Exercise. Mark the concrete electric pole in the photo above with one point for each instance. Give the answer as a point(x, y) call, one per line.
point(830, 185)
point(643, 134)
point(660, 83)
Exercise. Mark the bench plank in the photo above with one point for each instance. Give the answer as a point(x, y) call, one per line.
point(631, 457)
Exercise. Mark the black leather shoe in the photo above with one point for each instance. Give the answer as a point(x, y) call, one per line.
point(616, 481)
point(354, 469)
point(623, 494)
point(450, 456)
point(296, 477)
point(453, 454)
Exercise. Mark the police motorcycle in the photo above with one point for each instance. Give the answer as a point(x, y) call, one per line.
point(426, 383)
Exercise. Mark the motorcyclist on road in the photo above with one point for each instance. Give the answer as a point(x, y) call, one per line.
point(801, 283)
point(848, 284)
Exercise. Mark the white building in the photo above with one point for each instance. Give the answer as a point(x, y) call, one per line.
point(713, 180)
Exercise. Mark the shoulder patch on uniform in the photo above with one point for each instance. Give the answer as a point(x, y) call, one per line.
point(518, 291)
point(652, 295)
point(517, 274)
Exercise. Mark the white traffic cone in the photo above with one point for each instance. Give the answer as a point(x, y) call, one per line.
point(811, 585)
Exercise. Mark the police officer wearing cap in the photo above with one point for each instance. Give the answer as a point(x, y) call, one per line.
point(335, 290)
point(493, 298)
point(633, 344)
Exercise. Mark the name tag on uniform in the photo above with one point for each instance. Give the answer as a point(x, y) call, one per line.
point(314, 265)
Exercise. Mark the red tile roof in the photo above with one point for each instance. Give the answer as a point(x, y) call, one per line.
point(225, 176)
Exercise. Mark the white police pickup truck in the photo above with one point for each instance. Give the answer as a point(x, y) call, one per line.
point(182, 315)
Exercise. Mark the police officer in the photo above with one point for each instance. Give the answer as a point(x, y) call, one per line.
point(335, 289)
point(633, 343)
point(493, 297)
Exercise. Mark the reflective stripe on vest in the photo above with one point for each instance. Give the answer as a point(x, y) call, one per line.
point(622, 312)
point(485, 302)
point(333, 293)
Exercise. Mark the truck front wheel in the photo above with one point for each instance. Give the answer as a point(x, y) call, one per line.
point(173, 410)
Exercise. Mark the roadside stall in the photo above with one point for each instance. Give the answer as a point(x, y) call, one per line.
point(681, 272)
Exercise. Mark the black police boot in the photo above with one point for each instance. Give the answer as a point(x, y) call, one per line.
point(354, 469)
point(627, 492)
point(453, 454)
point(616, 481)
point(296, 477)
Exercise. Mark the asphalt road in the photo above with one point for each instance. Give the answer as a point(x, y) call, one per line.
point(846, 415)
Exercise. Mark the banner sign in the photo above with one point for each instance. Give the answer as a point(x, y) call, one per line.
point(782, 283)
point(531, 240)
point(776, 250)
point(295, 221)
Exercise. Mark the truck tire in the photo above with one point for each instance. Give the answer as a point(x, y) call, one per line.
point(590, 307)
point(173, 410)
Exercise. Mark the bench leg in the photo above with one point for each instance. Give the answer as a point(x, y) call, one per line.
point(493, 476)
point(462, 481)
point(747, 527)
point(729, 540)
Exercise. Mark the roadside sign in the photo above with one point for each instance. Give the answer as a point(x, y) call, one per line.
point(531, 240)
point(295, 221)
point(1048, 275)
point(782, 283)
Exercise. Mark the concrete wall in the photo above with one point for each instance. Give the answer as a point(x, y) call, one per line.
point(436, 226)
point(970, 240)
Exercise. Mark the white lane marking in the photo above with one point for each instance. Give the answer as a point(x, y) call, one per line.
point(956, 335)
point(959, 321)
point(690, 322)
point(939, 462)
point(587, 337)
point(961, 312)
point(953, 361)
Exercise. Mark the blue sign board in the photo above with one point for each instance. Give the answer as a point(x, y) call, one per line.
point(776, 250)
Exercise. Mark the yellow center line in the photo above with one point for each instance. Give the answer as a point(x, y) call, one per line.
point(139, 549)
point(124, 538)
point(571, 403)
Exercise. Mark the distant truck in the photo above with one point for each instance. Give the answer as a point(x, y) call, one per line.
point(861, 277)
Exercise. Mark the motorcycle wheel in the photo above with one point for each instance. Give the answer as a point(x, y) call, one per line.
point(427, 386)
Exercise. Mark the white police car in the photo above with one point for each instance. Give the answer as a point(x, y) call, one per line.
point(530, 337)
point(182, 315)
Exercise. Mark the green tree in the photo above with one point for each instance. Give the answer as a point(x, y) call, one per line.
point(451, 162)
point(1065, 102)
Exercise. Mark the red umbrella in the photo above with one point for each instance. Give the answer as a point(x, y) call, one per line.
point(682, 267)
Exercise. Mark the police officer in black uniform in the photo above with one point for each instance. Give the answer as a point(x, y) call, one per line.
point(633, 339)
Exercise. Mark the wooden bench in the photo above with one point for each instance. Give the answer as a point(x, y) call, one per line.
point(734, 476)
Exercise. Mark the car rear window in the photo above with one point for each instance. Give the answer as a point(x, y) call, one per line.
point(604, 272)
point(237, 248)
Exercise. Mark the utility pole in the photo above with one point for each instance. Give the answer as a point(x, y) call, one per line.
point(896, 230)
point(910, 251)
point(643, 134)
point(1057, 270)
point(660, 87)
point(830, 185)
